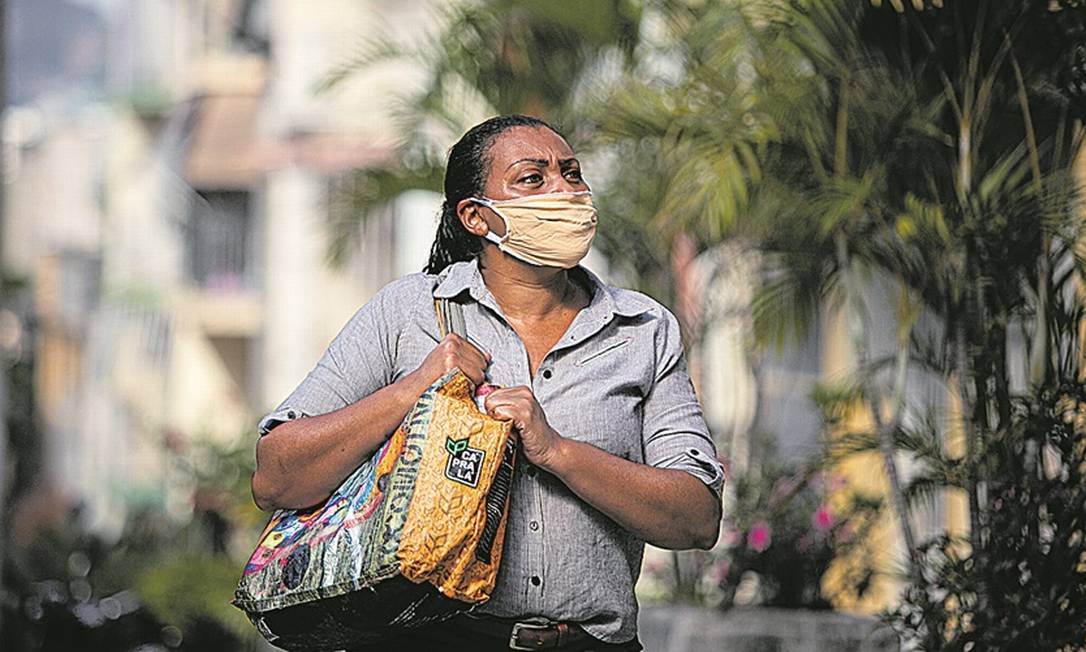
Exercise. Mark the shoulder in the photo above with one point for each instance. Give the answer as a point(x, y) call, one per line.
point(643, 310)
point(633, 303)
point(657, 325)
point(416, 288)
point(396, 303)
point(626, 303)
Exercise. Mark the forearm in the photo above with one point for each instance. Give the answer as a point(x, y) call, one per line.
point(302, 461)
point(665, 507)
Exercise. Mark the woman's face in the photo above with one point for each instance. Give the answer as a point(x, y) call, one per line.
point(523, 161)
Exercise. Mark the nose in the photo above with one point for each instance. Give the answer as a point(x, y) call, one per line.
point(565, 185)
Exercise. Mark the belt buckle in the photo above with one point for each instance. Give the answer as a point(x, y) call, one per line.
point(517, 627)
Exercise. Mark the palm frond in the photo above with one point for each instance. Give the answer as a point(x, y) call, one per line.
point(356, 198)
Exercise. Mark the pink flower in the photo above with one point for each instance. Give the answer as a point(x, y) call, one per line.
point(758, 538)
point(718, 572)
point(730, 537)
point(823, 518)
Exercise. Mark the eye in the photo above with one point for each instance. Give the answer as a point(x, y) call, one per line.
point(574, 174)
point(533, 177)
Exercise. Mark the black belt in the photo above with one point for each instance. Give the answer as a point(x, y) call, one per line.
point(528, 634)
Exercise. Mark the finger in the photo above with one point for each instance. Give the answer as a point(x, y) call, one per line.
point(522, 397)
point(502, 398)
point(511, 391)
point(478, 347)
point(465, 345)
point(474, 356)
point(453, 340)
point(459, 357)
point(500, 411)
point(475, 373)
point(458, 354)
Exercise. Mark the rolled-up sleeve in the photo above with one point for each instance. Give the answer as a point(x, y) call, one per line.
point(674, 432)
point(358, 362)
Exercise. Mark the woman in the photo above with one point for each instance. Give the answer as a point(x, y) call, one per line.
point(614, 449)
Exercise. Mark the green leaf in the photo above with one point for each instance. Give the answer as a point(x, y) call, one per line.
point(456, 446)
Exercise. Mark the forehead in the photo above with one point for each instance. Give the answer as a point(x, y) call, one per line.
point(528, 142)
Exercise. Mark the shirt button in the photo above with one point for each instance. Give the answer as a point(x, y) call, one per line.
point(531, 471)
point(534, 525)
point(290, 415)
point(547, 373)
point(536, 581)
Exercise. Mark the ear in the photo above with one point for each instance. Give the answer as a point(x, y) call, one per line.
point(471, 216)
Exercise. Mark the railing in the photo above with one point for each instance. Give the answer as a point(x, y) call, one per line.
point(217, 241)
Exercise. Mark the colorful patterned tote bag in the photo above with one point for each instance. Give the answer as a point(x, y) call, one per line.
point(413, 536)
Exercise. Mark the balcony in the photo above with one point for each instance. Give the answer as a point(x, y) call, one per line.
point(221, 290)
point(218, 242)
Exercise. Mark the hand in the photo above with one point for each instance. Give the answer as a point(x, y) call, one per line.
point(517, 404)
point(453, 352)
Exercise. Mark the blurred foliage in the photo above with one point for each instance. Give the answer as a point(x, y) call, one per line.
point(826, 133)
point(916, 159)
point(787, 525)
point(484, 59)
point(194, 589)
point(162, 584)
point(23, 433)
point(1028, 590)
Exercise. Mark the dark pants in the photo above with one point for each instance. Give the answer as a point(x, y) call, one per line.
point(450, 636)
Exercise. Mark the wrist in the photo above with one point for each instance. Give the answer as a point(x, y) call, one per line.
point(557, 457)
point(412, 386)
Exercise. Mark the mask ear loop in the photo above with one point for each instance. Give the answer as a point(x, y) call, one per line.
point(490, 235)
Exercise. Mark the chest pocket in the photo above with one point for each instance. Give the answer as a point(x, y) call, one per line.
point(608, 385)
point(606, 348)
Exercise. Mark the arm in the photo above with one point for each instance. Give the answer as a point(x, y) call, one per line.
point(300, 462)
point(668, 508)
point(665, 507)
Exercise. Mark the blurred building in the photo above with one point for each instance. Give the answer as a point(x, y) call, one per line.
point(175, 226)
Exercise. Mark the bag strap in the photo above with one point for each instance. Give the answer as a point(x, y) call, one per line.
point(450, 318)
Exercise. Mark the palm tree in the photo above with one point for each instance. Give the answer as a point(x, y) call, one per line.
point(488, 57)
point(765, 149)
point(931, 146)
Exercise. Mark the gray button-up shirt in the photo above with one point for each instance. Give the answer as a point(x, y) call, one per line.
point(616, 379)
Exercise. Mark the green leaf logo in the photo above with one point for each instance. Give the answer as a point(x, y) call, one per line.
point(456, 446)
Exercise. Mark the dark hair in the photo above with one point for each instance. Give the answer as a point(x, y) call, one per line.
point(465, 176)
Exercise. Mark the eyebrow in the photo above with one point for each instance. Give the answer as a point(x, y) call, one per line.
point(542, 162)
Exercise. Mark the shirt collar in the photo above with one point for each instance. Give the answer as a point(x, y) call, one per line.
point(606, 300)
point(456, 278)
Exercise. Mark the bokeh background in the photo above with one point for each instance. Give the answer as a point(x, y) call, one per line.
point(866, 215)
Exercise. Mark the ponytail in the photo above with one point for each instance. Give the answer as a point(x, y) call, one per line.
point(452, 243)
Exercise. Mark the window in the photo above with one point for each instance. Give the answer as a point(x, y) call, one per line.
point(217, 241)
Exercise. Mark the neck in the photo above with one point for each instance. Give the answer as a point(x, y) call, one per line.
point(523, 290)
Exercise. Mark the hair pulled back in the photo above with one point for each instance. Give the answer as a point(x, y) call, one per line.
point(465, 176)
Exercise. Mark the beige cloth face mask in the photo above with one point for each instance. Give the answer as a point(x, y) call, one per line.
point(550, 230)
